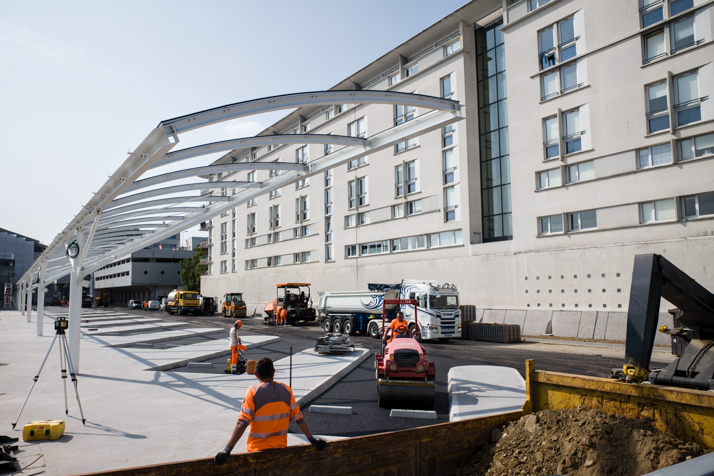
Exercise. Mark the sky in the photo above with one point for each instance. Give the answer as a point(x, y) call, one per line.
point(82, 83)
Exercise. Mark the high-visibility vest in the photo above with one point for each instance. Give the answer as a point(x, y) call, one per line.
point(268, 408)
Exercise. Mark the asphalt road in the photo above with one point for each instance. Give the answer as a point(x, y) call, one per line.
point(358, 388)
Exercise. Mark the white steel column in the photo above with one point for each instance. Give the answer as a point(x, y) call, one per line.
point(21, 297)
point(41, 298)
point(29, 297)
point(75, 303)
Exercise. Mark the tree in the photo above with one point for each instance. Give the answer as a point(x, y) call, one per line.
point(191, 270)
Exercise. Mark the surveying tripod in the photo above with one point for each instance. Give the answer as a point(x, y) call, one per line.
point(65, 360)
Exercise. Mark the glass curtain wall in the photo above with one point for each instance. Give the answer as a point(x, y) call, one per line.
point(493, 134)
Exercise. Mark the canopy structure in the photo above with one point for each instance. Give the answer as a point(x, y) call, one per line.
point(138, 205)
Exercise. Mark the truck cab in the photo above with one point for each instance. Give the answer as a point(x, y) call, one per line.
point(439, 314)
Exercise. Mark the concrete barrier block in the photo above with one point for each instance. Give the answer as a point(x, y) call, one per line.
point(423, 414)
point(587, 324)
point(600, 325)
point(494, 315)
point(483, 390)
point(537, 322)
point(616, 326)
point(330, 409)
point(566, 323)
point(515, 317)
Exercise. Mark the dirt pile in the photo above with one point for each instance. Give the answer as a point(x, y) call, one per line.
point(578, 442)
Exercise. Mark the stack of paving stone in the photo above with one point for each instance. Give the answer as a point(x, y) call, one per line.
point(490, 332)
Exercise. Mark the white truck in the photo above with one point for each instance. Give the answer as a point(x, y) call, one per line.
point(438, 311)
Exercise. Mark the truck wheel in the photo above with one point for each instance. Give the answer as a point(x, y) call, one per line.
point(223, 312)
point(180, 311)
point(337, 326)
point(373, 330)
point(327, 325)
point(349, 326)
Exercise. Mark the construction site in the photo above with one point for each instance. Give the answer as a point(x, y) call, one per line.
point(446, 297)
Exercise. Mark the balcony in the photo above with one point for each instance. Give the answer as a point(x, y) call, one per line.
point(205, 259)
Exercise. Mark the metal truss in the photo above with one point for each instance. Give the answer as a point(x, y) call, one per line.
point(134, 208)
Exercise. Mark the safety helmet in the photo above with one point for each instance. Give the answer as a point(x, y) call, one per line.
point(238, 323)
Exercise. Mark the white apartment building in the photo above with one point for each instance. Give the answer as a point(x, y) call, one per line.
point(588, 138)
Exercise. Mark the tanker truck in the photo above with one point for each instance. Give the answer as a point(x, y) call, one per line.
point(350, 312)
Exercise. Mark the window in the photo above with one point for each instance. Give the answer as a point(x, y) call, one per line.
point(399, 181)
point(302, 183)
point(362, 191)
point(409, 243)
point(403, 114)
point(328, 201)
point(274, 216)
point(568, 78)
point(224, 266)
point(363, 218)
point(269, 260)
point(571, 121)
point(413, 207)
point(328, 149)
point(398, 211)
point(651, 12)
point(567, 39)
point(550, 85)
point(328, 229)
point(696, 147)
point(277, 236)
point(682, 34)
point(657, 109)
point(328, 178)
point(394, 79)
point(446, 91)
point(447, 136)
point(410, 70)
point(552, 141)
point(654, 46)
point(251, 178)
point(353, 164)
point(533, 4)
point(224, 238)
point(302, 212)
point(547, 53)
point(581, 172)
point(679, 6)
point(549, 178)
point(698, 205)
point(357, 128)
point(450, 204)
point(449, 166)
point(251, 223)
point(411, 179)
point(306, 256)
point(452, 48)
point(551, 224)
point(251, 264)
point(350, 221)
point(275, 193)
point(305, 128)
point(408, 144)
point(376, 247)
point(658, 210)
point(583, 220)
point(350, 251)
point(305, 230)
point(351, 195)
point(445, 238)
point(330, 113)
point(296, 258)
point(328, 253)
point(687, 96)
point(654, 156)
point(301, 156)
point(493, 133)
point(233, 265)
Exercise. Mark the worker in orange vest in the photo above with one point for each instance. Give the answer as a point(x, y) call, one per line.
point(397, 326)
point(267, 408)
point(235, 342)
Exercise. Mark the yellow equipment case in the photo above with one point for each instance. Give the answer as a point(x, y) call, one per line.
point(43, 430)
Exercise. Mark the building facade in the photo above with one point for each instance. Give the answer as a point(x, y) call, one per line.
point(149, 274)
point(588, 138)
point(17, 253)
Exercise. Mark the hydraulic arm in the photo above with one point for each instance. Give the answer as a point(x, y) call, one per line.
point(653, 278)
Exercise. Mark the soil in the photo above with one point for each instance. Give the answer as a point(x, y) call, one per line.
point(577, 442)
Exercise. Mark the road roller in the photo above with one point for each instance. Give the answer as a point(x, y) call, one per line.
point(405, 376)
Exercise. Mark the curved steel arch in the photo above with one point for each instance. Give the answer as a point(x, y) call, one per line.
point(215, 115)
point(259, 141)
point(214, 169)
point(181, 188)
point(164, 201)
